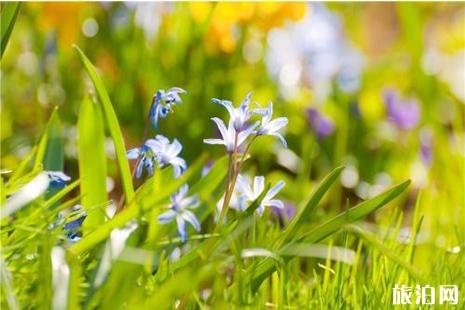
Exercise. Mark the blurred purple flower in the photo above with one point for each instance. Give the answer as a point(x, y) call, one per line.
point(405, 114)
point(322, 125)
point(426, 146)
point(287, 212)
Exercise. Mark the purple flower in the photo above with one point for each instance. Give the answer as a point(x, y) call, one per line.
point(405, 114)
point(426, 146)
point(322, 125)
point(288, 212)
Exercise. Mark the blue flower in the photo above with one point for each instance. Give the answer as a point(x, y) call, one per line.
point(179, 210)
point(145, 154)
point(158, 151)
point(57, 178)
point(239, 116)
point(248, 194)
point(271, 127)
point(166, 153)
point(162, 103)
point(231, 138)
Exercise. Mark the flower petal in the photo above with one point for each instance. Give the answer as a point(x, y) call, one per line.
point(190, 217)
point(225, 103)
point(281, 138)
point(181, 228)
point(166, 217)
point(243, 186)
point(274, 190)
point(258, 186)
point(221, 127)
point(213, 141)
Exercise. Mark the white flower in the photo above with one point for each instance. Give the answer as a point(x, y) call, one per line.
point(160, 151)
point(166, 153)
point(249, 194)
point(270, 127)
point(239, 116)
point(179, 210)
point(229, 135)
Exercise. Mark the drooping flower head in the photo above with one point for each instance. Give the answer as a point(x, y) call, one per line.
point(405, 114)
point(158, 151)
point(162, 103)
point(146, 156)
point(179, 210)
point(322, 125)
point(269, 126)
point(248, 194)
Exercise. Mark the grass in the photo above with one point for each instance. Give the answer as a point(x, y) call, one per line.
point(333, 254)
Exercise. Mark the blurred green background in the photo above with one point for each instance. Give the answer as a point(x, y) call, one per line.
point(327, 68)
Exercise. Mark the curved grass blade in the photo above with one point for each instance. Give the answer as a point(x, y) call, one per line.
point(92, 162)
point(308, 207)
point(8, 18)
point(266, 267)
point(112, 124)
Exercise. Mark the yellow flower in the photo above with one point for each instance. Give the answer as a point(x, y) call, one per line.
point(226, 16)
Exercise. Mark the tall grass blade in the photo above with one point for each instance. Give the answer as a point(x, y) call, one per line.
point(112, 124)
point(260, 272)
point(92, 162)
point(8, 18)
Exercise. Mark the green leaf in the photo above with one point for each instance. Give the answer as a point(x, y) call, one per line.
point(308, 207)
point(144, 201)
point(92, 162)
point(112, 124)
point(43, 143)
point(267, 266)
point(8, 18)
point(354, 214)
point(54, 155)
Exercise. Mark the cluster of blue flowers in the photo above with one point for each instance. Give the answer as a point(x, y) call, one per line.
point(244, 126)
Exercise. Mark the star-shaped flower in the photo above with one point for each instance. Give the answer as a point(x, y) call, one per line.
point(230, 137)
point(166, 153)
point(239, 116)
point(180, 211)
point(248, 194)
point(158, 151)
point(269, 126)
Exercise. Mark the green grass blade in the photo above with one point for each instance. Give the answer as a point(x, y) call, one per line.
point(43, 143)
point(267, 266)
point(92, 162)
point(113, 126)
point(8, 18)
point(354, 214)
point(144, 201)
point(376, 243)
point(309, 206)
